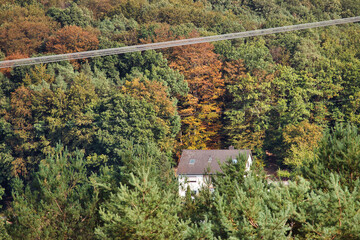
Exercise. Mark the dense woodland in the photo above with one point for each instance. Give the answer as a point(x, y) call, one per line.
point(88, 147)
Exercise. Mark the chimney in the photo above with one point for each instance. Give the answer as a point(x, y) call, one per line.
point(231, 147)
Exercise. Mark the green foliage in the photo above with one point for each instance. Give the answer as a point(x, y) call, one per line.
point(257, 208)
point(254, 210)
point(6, 160)
point(117, 24)
point(199, 231)
point(272, 94)
point(350, 8)
point(137, 156)
point(149, 64)
point(60, 202)
point(72, 15)
point(337, 152)
point(74, 98)
point(254, 54)
point(141, 210)
point(247, 112)
point(3, 233)
point(123, 119)
point(154, 67)
point(283, 173)
point(232, 173)
point(333, 213)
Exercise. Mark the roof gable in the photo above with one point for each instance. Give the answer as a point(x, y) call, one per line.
point(196, 162)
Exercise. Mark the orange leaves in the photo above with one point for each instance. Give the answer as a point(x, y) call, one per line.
point(201, 108)
point(201, 68)
point(233, 70)
point(72, 39)
point(21, 115)
point(25, 34)
point(19, 167)
point(23, 29)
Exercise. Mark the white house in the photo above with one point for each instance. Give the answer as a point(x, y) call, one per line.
point(195, 166)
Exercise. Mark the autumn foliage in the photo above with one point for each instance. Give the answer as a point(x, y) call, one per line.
point(25, 34)
point(72, 39)
point(201, 108)
point(21, 118)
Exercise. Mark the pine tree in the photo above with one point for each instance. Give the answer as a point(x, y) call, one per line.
point(331, 214)
point(338, 152)
point(60, 202)
point(141, 210)
point(257, 210)
point(3, 233)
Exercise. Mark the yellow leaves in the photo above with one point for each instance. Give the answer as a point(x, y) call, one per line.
point(153, 92)
point(302, 138)
point(355, 105)
point(303, 132)
point(200, 109)
point(249, 139)
point(38, 75)
point(19, 167)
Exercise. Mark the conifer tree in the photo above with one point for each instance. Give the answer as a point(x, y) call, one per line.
point(331, 214)
point(338, 152)
point(141, 210)
point(60, 202)
point(3, 233)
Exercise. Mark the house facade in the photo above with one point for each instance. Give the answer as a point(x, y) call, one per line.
point(196, 166)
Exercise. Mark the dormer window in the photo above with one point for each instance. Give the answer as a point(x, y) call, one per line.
point(192, 161)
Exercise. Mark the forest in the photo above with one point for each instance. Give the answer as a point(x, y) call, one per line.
point(88, 147)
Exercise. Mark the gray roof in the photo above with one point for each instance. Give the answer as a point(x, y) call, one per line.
point(204, 159)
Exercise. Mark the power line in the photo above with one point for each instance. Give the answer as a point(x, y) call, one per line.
point(183, 42)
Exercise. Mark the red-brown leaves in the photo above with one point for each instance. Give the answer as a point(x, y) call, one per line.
point(201, 108)
point(24, 34)
point(72, 39)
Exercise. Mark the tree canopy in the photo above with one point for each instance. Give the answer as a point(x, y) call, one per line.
point(89, 148)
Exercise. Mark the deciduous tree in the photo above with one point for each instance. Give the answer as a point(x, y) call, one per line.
point(201, 108)
point(72, 39)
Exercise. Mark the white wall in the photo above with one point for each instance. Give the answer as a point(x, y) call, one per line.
point(248, 164)
point(195, 182)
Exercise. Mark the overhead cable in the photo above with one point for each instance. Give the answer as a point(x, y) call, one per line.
point(159, 45)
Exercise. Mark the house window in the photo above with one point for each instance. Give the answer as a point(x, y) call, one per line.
point(234, 161)
point(192, 161)
point(191, 180)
